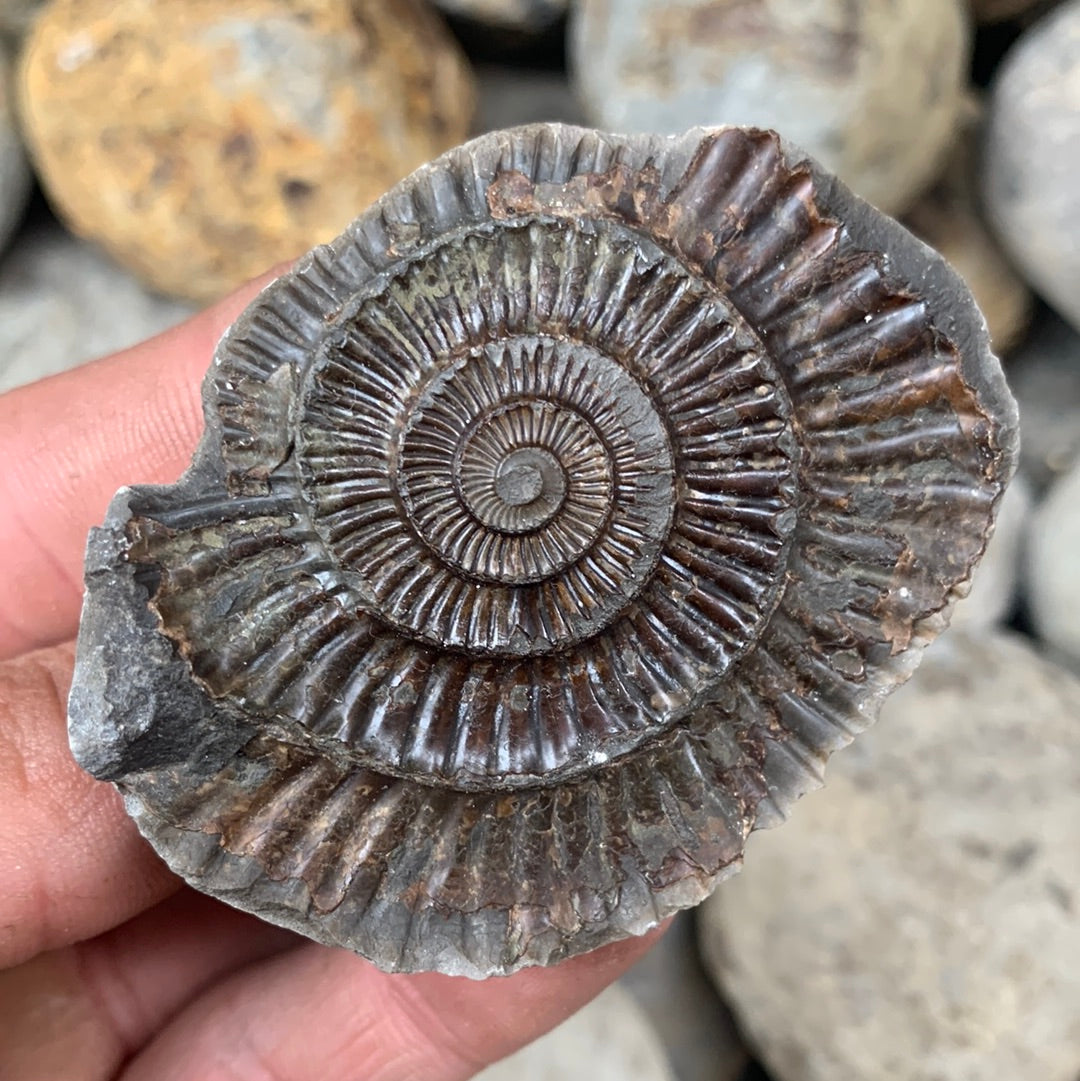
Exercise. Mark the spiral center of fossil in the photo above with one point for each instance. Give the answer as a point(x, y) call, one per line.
point(520, 479)
point(532, 484)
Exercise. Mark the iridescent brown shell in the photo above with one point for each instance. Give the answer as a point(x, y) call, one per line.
point(550, 529)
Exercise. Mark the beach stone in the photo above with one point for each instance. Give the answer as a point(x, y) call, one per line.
point(873, 90)
point(947, 217)
point(508, 97)
point(994, 584)
point(918, 919)
point(509, 14)
point(62, 303)
point(1044, 376)
point(670, 984)
point(15, 179)
point(610, 1039)
point(250, 130)
point(1053, 567)
point(1031, 157)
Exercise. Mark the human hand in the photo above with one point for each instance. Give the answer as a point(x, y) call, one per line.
point(111, 968)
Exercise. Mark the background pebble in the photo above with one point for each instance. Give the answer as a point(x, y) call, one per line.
point(918, 919)
point(947, 217)
point(62, 303)
point(994, 584)
point(1053, 567)
point(871, 89)
point(1044, 376)
point(670, 985)
point(611, 1039)
point(1032, 157)
point(507, 97)
point(15, 177)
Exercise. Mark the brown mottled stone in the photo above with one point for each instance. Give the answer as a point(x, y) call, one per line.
point(201, 142)
point(550, 529)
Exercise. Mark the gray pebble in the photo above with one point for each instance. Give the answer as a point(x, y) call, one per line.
point(611, 1039)
point(1053, 567)
point(993, 587)
point(948, 218)
point(696, 1028)
point(918, 919)
point(872, 89)
point(507, 97)
point(15, 178)
point(1044, 375)
point(62, 303)
point(509, 14)
point(1032, 158)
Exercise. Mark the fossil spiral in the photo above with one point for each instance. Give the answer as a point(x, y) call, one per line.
point(549, 530)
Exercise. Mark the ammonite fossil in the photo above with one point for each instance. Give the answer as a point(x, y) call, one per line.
point(549, 530)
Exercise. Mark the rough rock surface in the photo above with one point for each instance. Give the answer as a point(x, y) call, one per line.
point(993, 587)
point(62, 303)
point(918, 919)
point(873, 89)
point(611, 1039)
point(507, 97)
point(14, 170)
point(1032, 158)
point(948, 218)
point(1044, 374)
point(670, 985)
point(514, 14)
point(1053, 567)
point(250, 129)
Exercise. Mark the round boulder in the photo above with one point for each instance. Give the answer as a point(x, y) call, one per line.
point(917, 920)
point(1032, 158)
point(872, 89)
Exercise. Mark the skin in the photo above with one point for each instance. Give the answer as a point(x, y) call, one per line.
point(111, 968)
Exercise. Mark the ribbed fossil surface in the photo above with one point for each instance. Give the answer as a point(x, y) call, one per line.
point(550, 529)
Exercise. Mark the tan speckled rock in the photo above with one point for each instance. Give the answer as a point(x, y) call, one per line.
point(871, 88)
point(201, 142)
point(948, 219)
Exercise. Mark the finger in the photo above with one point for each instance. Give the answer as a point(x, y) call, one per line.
point(79, 1013)
point(316, 1013)
point(73, 862)
point(67, 444)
